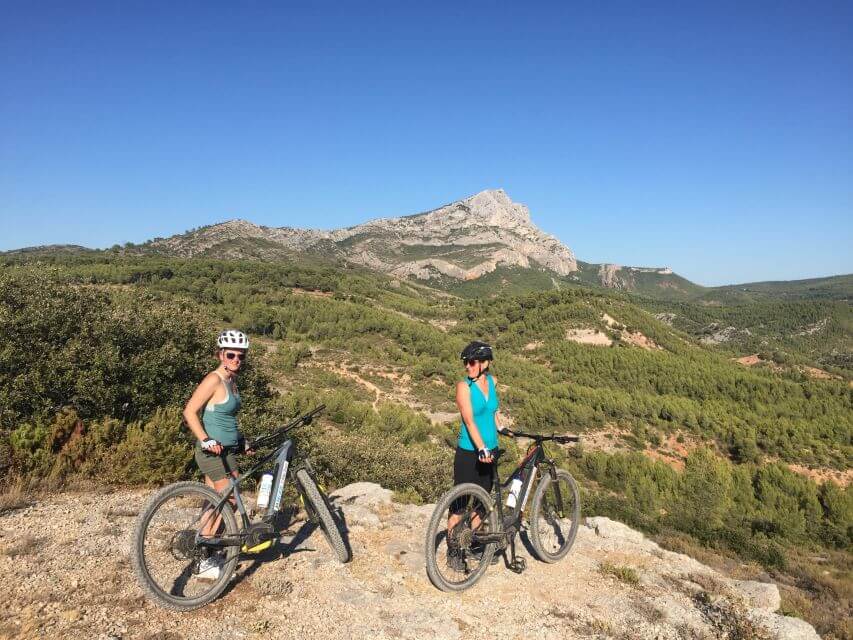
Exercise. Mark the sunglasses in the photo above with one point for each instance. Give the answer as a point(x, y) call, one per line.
point(231, 355)
point(470, 363)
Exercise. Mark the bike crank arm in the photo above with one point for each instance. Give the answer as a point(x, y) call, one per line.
point(490, 538)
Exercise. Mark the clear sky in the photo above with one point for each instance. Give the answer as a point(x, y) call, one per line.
point(715, 138)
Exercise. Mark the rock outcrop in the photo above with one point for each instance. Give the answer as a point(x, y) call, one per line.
point(66, 564)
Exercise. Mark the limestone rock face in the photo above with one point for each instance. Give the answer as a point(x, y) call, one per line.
point(463, 240)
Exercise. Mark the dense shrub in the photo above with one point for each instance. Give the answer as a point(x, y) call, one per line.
point(153, 451)
point(121, 355)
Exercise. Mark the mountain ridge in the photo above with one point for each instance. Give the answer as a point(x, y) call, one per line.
point(451, 247)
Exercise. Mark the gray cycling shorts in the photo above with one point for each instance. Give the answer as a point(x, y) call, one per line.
point(215, 467)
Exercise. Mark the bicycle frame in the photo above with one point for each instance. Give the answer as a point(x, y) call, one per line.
point(283, 456)
point(508, 523)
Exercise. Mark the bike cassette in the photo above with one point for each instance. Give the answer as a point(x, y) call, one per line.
point(517, 565)
point(259, 536)
point(183, 545)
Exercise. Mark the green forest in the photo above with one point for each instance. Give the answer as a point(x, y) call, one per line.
point(100, 351)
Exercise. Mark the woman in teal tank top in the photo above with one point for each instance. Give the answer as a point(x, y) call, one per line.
point(478, 403)
point(218, 400)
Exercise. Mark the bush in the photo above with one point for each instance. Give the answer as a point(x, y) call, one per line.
point(421, 469)
point(157, 451)
point(102, 355)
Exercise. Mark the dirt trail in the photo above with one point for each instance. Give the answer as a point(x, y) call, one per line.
point(65, 561)
point(346, 373)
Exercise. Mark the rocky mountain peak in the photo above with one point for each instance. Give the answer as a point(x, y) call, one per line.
point(465, 240)
point(494, 208)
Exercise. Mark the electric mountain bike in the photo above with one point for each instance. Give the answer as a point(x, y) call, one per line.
point(458, 558)
point(187, 523)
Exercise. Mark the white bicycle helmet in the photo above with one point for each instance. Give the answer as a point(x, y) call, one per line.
point(232, 339)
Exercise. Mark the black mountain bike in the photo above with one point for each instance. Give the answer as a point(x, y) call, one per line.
point(186, 523)
point(485, 527)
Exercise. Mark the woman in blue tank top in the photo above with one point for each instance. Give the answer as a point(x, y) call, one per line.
point(478, 403)
point(218, 438)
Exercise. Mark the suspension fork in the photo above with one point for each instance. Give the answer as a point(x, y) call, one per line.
point(558, 494)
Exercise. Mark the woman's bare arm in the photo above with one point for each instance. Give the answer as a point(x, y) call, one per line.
point(200, 397)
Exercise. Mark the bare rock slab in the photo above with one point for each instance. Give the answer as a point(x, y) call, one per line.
point(759, 595)
point(366, 494)
point(607, 528)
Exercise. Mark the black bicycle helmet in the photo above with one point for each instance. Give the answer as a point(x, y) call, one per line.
point(477, 351)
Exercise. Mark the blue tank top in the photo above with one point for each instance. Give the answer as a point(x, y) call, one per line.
point(484, 410)
point(220, 420)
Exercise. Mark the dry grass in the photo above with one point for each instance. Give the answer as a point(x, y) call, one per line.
point(623, 573)
point(710, 584)
point(14, 496)
point(728, 619)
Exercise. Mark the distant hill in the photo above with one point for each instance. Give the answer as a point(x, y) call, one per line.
point(828, 288)
point(48, 250)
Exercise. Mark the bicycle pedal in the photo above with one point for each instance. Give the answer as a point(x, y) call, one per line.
point(518, 565)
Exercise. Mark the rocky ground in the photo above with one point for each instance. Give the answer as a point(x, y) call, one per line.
point(67, 574)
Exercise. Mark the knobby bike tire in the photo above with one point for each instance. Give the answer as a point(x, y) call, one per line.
point(140, 567)
point(536, 533)
point(320, 505)
point(438, 521)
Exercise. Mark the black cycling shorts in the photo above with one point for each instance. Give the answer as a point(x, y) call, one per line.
point(467, 468)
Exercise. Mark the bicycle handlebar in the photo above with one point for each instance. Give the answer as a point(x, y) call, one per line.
point(563, 439)
point(296, 422)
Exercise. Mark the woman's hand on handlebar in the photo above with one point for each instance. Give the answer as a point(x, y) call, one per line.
point(505, 431)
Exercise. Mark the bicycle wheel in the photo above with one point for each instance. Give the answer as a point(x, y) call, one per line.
point(317, 501)
point(457, 565)
point(166, 554)
point(554, 516)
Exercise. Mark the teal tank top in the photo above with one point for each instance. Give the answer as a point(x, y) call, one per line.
point(484, 417)
point(220, 420)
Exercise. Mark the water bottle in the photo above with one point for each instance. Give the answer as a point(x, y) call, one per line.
point(514, 490)
point(264, 491)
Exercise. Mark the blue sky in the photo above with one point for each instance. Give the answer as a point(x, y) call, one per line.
point(714, 139)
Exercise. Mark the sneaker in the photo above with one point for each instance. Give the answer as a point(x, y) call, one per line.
point(209, 568)
point(456, 559)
